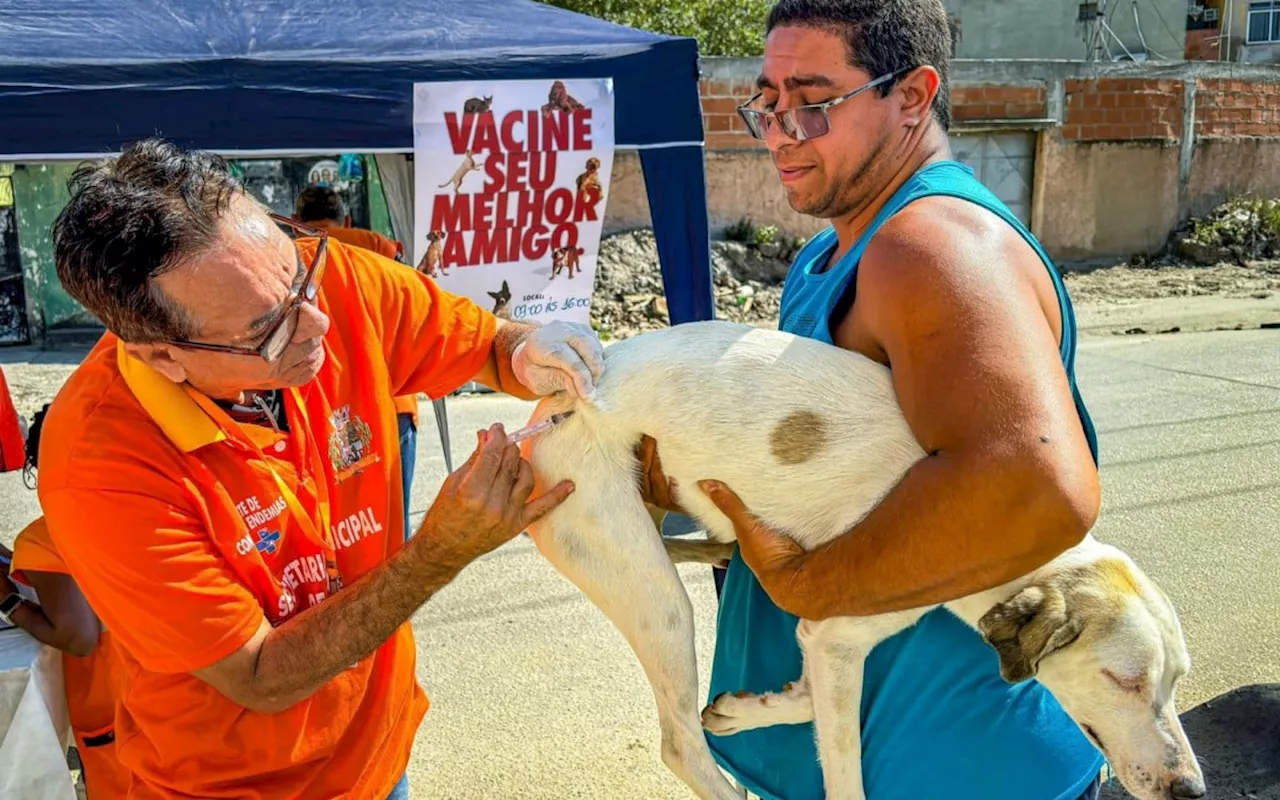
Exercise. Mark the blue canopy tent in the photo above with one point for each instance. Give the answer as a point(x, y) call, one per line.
point(245, 78)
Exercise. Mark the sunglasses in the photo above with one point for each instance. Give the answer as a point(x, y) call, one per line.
point(802, 122)
point(277, 338)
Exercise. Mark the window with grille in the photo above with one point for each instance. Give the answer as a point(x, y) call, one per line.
point(1264, 22)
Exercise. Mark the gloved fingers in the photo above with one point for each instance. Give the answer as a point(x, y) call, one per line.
point(566, 359)
point(588, 347)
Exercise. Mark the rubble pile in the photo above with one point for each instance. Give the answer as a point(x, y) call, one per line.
point(629, 294)
point(1238, 231)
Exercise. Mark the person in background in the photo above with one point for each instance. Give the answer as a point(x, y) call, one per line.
point(323, 208)
point(924, 270)
point(62, 619)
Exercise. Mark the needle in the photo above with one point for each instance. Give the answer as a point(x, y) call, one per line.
point(539, 427)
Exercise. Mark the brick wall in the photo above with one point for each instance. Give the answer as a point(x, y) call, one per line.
point(1093, 109)
point(720, 99)
point(1237, 108)
point(971, 103)
point(726, 131)
point(1203, 44)
point(1123, 108)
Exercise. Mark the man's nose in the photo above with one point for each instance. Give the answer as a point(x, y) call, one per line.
point(312, 323)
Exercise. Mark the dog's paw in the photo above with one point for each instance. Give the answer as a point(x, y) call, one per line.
point(733, 713)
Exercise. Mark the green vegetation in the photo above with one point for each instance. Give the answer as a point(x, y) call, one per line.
point(1241, 229)
point(722, 27)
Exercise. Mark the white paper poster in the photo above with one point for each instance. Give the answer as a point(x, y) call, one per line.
point(510, 185)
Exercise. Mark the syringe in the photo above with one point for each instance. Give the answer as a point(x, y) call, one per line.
point(538, 427)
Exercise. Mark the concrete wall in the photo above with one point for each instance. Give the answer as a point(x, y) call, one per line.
point(1125, 151)
point(1044, 29)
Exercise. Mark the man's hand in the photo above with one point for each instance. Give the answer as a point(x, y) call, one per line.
point(482, 504)
point(655, 487)
point(559, 356)
point(485, 502)
point(777, 561)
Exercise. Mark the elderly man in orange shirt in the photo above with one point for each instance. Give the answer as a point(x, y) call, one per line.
point(322, 207)
point(221, 478)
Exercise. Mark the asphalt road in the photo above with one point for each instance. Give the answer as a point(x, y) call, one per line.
point(535, 695)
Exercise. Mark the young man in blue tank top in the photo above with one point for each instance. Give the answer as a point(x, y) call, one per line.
point(924, 270)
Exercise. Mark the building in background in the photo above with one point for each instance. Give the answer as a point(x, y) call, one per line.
point(1108, 30)
point(33, 307)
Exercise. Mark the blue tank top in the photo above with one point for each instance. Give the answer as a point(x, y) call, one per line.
point(937, 718)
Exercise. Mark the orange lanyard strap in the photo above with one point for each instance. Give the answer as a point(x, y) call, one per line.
point(306, 449)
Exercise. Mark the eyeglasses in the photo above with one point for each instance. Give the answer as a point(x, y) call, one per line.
point(802, 122)
point(277, 338)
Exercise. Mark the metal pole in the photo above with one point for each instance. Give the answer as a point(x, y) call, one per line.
point(442, 424)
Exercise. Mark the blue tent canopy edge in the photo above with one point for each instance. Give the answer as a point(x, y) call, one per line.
point(81, 78)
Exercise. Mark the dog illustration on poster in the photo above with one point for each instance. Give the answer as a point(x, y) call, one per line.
point(590, 179)
point(559, 99)
point(565, 258)
point(433, 259)
point(467, 166)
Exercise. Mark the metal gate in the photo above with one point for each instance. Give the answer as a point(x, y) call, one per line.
point(13, 304)
point(1005, 163)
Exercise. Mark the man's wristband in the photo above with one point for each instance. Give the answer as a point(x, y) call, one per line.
point(7, 606)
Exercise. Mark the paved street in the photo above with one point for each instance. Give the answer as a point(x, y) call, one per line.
point(536, 696)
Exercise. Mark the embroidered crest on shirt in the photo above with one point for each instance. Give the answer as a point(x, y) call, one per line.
point(349, 444)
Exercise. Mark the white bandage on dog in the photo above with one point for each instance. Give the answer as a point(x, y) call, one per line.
point(559, 356)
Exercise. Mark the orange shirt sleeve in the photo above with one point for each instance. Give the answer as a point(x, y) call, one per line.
point(433, 341)
point(33, 550)
point(152, 574)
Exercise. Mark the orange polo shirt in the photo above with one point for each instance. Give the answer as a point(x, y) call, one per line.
point(90, 681)
point(170, 519)
point(386, 246)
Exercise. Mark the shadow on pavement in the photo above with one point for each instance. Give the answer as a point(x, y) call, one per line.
point(1237, 739)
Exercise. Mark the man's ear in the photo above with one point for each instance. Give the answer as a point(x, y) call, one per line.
point(918, 88)
point(1028, 627)
point(160, 358)
point(346, 221)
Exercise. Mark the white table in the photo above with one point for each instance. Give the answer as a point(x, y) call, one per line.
point(34, 729)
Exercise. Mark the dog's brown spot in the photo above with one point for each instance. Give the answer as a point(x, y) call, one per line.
point(1117, 577)
point(798, 437)
point(741, 695)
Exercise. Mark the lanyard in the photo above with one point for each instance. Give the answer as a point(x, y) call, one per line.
point(305, 449)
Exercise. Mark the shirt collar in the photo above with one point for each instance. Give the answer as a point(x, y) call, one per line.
point(170, 405)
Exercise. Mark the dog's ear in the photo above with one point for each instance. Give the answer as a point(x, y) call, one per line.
point(1028, 627)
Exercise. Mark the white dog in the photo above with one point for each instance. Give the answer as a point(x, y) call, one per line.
point(811, 437)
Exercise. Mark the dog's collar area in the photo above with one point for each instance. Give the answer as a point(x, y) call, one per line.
point(1093, 735)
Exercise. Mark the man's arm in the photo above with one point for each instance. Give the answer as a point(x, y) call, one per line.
point(480, 506)
point(962, 309)
point(435, 341)
point(63, 619)
point(282, 666)
point(496, 373)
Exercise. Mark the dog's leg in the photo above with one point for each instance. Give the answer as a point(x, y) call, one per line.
point(604, 541)
point(733, 713)
point(835, 652)
point(699, 551)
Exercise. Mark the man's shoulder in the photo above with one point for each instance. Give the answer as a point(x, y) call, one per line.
point(94, 422)
point(938, 236)
point(384, 246)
